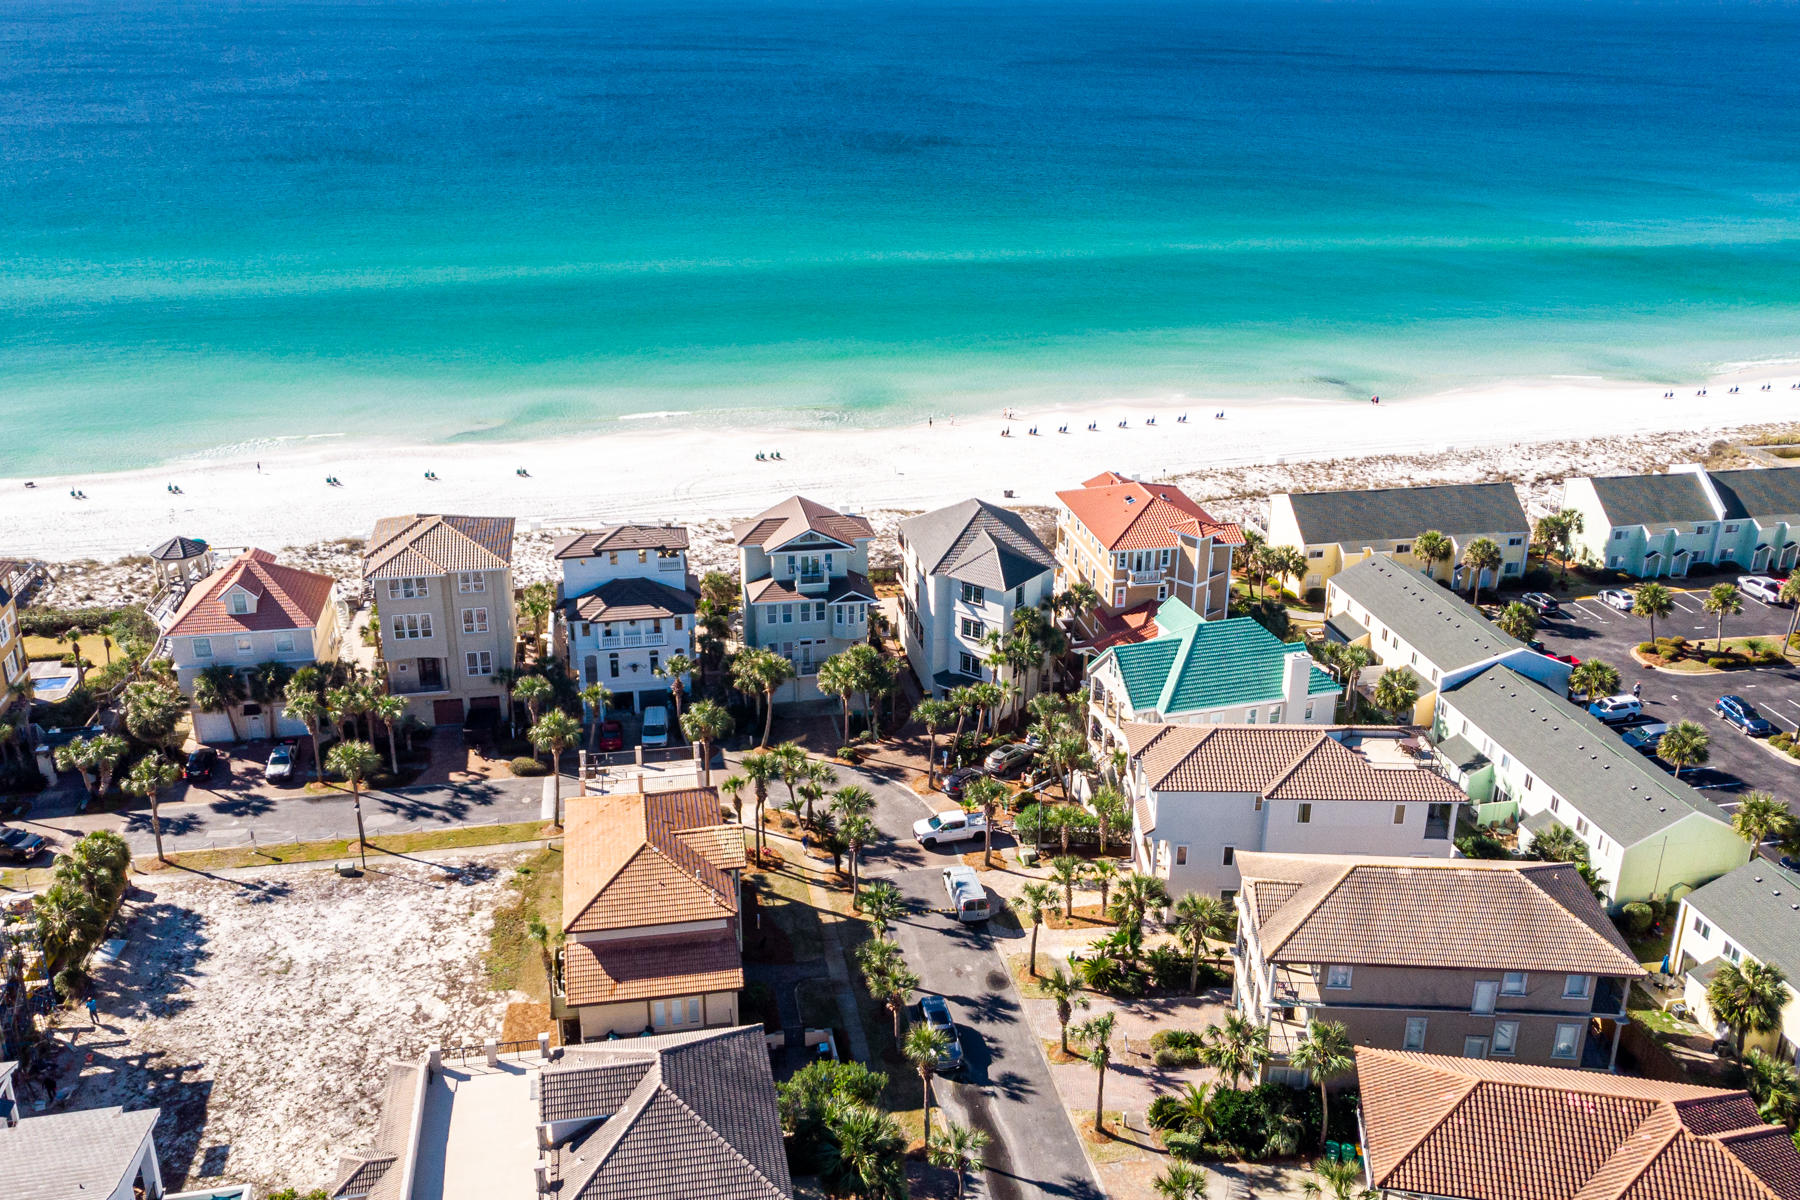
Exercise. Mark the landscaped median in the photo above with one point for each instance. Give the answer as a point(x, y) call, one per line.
point(1705, 657)
point(459, 838)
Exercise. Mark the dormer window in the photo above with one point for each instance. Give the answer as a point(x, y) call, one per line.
point(237, 602)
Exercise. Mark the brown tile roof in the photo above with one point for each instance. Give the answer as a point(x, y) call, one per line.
point(1434, 913)
point(797, 515)
point(848, 586)
point(1125, 514)
point(630, 600)
point(573, 1089)
point(1135, 624)
point(286, 598)
point(621, 537)
point(1489, 1130)
point(628, 861)
point(432, 544)
point(1283, 762)
point(646, 968)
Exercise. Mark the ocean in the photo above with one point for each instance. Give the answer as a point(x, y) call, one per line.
point(229, 225)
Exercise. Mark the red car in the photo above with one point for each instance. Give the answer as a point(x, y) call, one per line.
point(612, 736)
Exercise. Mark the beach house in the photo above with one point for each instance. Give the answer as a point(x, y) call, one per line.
point(1746, 914)
point(626, 606)
point(12, 647)
point(1137, 544)
point(1336, 530)
point(443, 590)
point(1508, 960)
point(650, 914)
point(1230, 671)
point(806, 591)
point(1663, 525)
point(92, 1153)
point(251, 611)
point(965, 571)
point(1202, 794)
point(1441, 1127)
point(1409, 623)
point(1526, 756)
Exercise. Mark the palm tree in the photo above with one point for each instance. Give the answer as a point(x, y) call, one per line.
point(1180, 1182)
point(934, 715)
point(356, 761)
point(346, 704)
point(1759, 818)
point(97, 756)
point(1110, 811)
point(1396, 692)
point(1351, 661)
point(1235, 1048)
point(1482, 554)
point(732, 788)
point(1344, 1178)
point(1198, 918)
point(1790, 596)
point(1096, 1033)
point(675, 668)
point(882, 905)
point(266, 681)
point(985, 794)
point(148, 780)
point(1722, 600)
point(857, 831)
point(957, 1148)
point(1652, 600)
point(1325, 1053)
point(1065, 990)
point(705, 722)
point(1138, 894)
point(305, 707)
point(220, 688)
point(1517, 621)
point(1684, 745)
point(535, 691)
point(759, 672)
point(1037, 899)
point(1748, 997)
point(1432, 548)
point(1776, 1087)
point(1101, 872)
point(389, 710)
point(1068, 872)
point(864, 1154)
point(596, 696)
point(555, 732)
point(536, 601)
point(923, 1047)
point(760, 767)
point(837, 677)
point(1593, 679)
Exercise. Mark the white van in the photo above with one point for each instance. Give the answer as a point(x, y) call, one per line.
point(656, 726)
point(968, 899)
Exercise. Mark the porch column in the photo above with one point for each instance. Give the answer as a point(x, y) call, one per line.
point(1612, 1057)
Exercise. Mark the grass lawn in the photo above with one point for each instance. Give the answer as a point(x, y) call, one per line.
point(94, 648)
point(1650, 950)
point(513, 959)
point(344, 848)
point(783, 897)
point(1645, 1011)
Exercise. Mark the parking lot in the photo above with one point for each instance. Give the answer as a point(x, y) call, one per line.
point(1588, 629)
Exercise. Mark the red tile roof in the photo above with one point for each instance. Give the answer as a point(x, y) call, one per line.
point(644, 968)
point(1126, 514)
point(633, 860)
point(286, 598)
point(1136, 624)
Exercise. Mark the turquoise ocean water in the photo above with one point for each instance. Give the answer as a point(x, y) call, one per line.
point(230, 220)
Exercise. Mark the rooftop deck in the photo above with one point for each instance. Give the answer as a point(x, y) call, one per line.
point(478, 1135)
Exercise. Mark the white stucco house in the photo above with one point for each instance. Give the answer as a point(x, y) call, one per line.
point(1657, 525)
point(626, 606)
point(92, 1153)
point(1748, 913)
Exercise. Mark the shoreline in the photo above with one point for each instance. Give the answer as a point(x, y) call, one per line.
point(700, 477)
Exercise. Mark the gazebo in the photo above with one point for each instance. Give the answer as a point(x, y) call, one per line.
point(181, 560)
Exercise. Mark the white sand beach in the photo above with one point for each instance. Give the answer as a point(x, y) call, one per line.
point(650, 469)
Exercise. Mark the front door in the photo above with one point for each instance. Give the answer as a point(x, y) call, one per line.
point(431, 673)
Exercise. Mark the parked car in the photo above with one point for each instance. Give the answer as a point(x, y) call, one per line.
point(1742, 716)
point(281, 764)
point(968, 899)
point(1762, 587)
point(656, 726)
point(200, 765)
point(1643, 738)
point(1617, 598)
point(1565, 658)
point(957, 780)
point(20, 845)
point(1541, 603)
point(945, 827)
point(1614, 710)
point(1005, 761)
point(936, 1011)
point(612, 736)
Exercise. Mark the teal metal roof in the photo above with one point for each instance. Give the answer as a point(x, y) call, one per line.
point(1201, 665)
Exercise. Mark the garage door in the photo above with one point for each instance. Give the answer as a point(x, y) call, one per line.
point(447, 712)
point(486, 705)
point(213, 728)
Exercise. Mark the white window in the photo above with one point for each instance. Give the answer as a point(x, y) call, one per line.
point(677, 1013)
point(974, 593)
point(1506, 1036)
point(471, 581)
point(1515, 541)
point(612, 666)
point(1568, 1037)
point(787, 614)
point(1119, 597)
point(970, 664)
point(1475, 1047)
point(1731, 529)
point(1309, 710)
point(1702, 928)
point(481, 662)
point(1399, 814)
point(1250, 717)
point(1275, 714)
point(1576, 987)
point(240, 603)
point(1303, 814)
point(970, 628)
point(1337, 976)
point(1618, 535)
point(244, 645)
point(1487, 991)
point(1513, 983)
point(1315, 554)
point(202, 647)
point(1415, 1034)
point(410, 627)
point(1162, 591)
point(1402, 547)
point(474, 620)
point(407, 589)
point(1730, 951)
point(284, 643)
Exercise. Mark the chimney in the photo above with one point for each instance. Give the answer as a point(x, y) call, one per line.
point(1297, 673)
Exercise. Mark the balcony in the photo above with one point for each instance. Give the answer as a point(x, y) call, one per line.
point(1144, 578)
point(632, 641)
point(850, 630)
point(812, 581)
point(1609, 997)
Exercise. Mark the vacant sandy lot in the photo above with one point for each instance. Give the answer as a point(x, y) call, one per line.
point(258, 1013)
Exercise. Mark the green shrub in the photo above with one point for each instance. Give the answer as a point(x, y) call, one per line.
point(1176, 1039)
point(1768, 658)
point(1188, 1147)
point(51, 622)
point(1782, 741)
point(1648, 648)
point(866, 737)
point(69, 981)
point(849, 754)
point(1170, 1060)
point(1164, 1113)
point(1678, 641)
point(1720, 662)
point(527, 767)
point(1482, 845)
point(1637, 918)
point(1167, 966)
point(1538, 579)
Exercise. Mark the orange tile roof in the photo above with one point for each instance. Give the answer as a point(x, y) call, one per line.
point(645, 968)
point(634, 860)
point(1136, 624)
point(286, 598)
point(1126, 514)
point(1490, 1130)
point(434, 544)
point(797, 515)
point(1281, 762)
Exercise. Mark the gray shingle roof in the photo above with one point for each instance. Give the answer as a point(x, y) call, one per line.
point(179, 549)
point(1758, 907)
point(1768, 494)
point(1435, 621)
point(1676, 499)
point(576, 1089)
point(629, 600)
point(69, 1155)
point(612, 538)
point(1576, 756)
point(977, 542)
point(1393, 514)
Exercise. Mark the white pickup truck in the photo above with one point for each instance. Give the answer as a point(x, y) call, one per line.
point(946, 827)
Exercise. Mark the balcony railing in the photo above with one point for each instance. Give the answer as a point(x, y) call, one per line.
point(811, 581)
point(849, 629)
point(632, 641)
point(1144, 578)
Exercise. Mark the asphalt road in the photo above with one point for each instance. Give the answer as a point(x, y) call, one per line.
point(1589, 629)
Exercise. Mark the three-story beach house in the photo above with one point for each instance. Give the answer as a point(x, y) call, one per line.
point(965, 571)
point(806, 590)
point(1656, 525)
point(627, 606)
point(444, 594)
point(253, 610)
point(12, 647)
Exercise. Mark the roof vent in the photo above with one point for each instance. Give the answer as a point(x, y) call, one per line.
point(1758, 878)
point(1131, 499)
